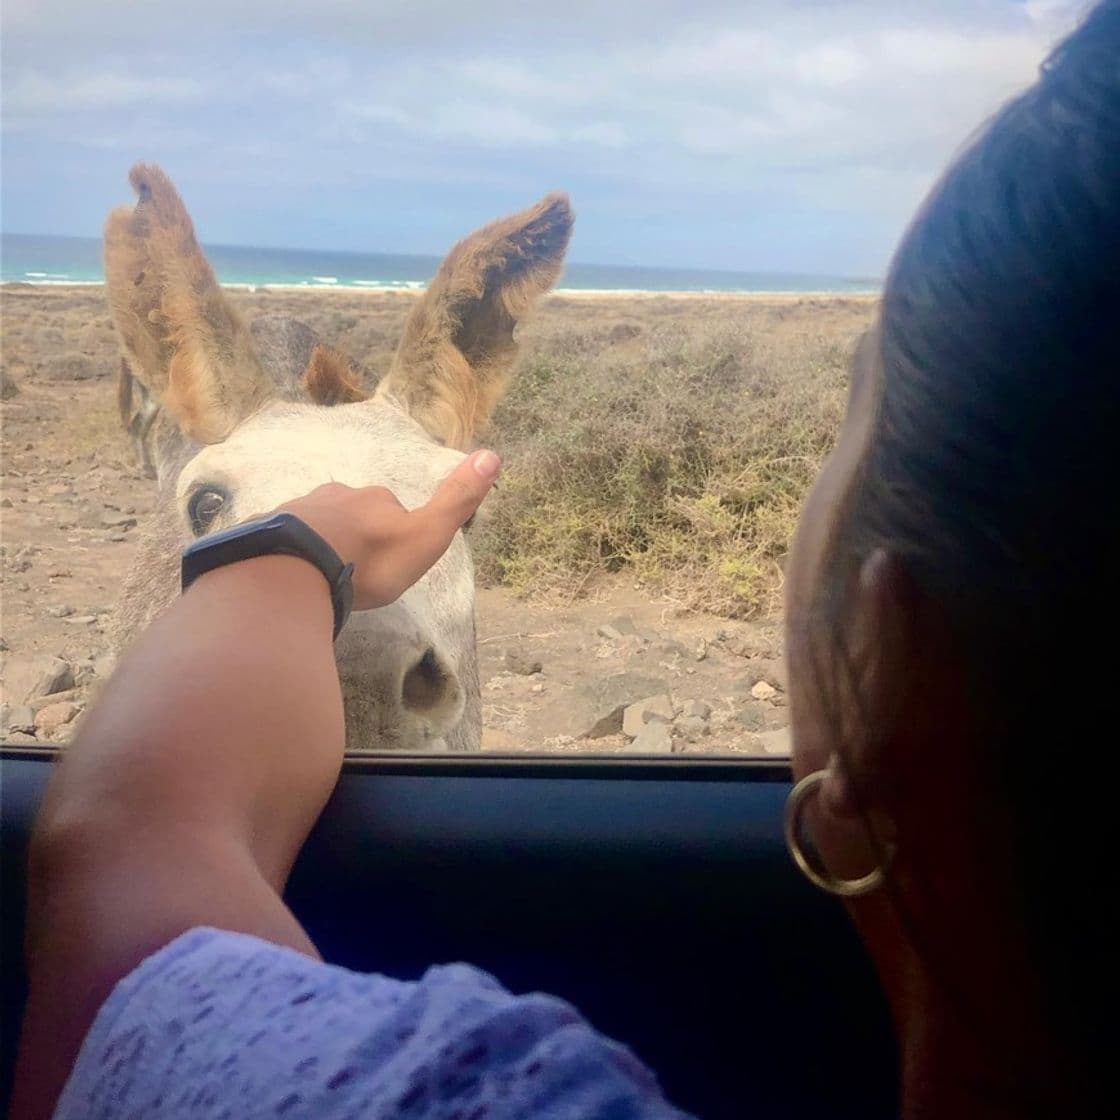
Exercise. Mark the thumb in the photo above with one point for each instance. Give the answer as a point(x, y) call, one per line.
point(459, 495)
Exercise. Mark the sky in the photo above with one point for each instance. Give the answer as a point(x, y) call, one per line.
point(757, 135)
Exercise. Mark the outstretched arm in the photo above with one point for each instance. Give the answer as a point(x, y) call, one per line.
point(197, 776)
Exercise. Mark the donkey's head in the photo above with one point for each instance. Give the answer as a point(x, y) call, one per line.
point(242, 434)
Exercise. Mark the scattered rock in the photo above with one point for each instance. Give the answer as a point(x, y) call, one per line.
point(636, 716)
point(116, 538)
point(519, 662)
point(594, 708)
point(43, 675)
point(776, 742)
point(538, 687)
point(702, 649)
point(771, 670)
point(81, 620)
point(763, 690)
point(21, 718)
point(93, 669)
point(696, 709)
point(87, 517)
point(654, 738)
point(751, 718)
point(667, 644)
point(53, 716)
point(36, 703)
point(62, 611)
point(632, 645)
point(693, 727)
point(112, 520)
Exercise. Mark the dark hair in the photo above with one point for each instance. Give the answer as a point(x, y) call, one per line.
point(991, 471)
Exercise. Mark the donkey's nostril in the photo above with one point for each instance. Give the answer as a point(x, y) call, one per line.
point(431, 693)
point(427, 684)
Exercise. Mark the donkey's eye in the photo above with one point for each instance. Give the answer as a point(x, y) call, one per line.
point(203, 507)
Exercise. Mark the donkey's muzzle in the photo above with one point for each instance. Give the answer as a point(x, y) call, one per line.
point(431, 693)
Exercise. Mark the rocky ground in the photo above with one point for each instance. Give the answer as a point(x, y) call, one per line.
point(623, 672)
point(614, 671)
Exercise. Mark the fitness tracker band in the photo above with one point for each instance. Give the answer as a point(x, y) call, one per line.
point(282, 534)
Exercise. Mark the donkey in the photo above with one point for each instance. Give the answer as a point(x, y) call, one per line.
point(235, 422)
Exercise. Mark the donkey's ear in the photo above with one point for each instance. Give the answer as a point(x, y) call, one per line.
point(458, 346)
point(330, 379)
point(183, 339)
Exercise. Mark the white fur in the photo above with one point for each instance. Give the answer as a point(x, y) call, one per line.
point(288, 449)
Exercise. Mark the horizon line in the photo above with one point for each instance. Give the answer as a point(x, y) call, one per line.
point(877, 280)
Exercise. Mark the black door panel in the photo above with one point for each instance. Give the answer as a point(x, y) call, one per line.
point(658, 898)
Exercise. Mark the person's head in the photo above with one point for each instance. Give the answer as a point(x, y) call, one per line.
point(951, 605)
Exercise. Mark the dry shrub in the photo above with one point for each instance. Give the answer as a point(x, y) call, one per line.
point(74, 366)
point(9, 387)
point(680, 450)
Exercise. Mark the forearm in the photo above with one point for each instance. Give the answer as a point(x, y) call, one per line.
point(185, 797)
point(225, 717)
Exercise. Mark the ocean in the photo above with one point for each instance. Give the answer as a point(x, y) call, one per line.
point(35, 259)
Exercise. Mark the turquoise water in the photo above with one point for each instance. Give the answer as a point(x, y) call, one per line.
point(72, 260)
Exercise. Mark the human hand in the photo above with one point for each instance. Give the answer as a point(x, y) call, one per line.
point(392, 547)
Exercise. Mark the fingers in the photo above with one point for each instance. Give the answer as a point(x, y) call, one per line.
point(459, 495)
point(455, 501)
point(390, 547)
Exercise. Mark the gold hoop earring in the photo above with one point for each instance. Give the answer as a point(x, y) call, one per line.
point(833, 884)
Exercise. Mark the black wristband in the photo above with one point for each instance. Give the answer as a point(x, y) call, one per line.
point(282, 534)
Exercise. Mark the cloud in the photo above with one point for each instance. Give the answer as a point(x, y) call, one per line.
point(704, 123)
point(34, 93)
point(785, 94)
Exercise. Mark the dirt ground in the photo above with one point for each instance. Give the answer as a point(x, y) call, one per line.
point(73, 497)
